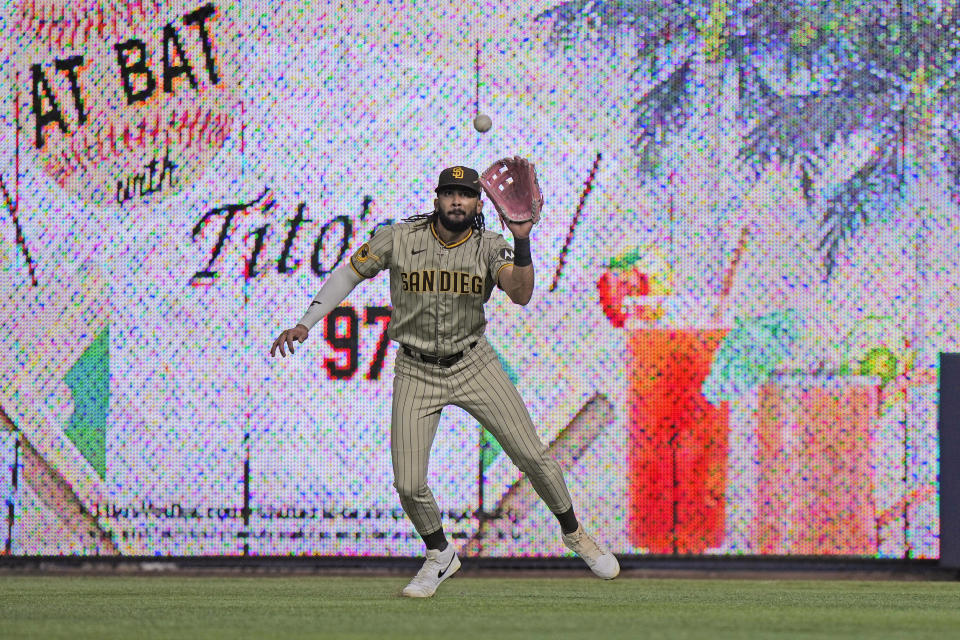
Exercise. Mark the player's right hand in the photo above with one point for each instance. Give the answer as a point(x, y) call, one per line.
point(298, 333)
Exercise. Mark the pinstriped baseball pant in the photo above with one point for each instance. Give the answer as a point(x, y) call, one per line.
point(479, 385)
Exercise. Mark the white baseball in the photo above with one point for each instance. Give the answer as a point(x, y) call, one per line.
point(482, 123)
point(124, 102)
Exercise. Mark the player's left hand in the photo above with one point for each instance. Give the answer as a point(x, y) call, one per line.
point(519, 229)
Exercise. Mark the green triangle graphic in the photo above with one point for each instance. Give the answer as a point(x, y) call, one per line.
point(489, 449)
point(89, 382)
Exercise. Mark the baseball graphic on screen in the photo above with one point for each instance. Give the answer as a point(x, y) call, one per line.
point(124, 103)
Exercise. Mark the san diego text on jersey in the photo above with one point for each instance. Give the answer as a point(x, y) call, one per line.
point(440, 281)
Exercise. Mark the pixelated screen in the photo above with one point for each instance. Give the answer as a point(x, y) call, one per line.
point(746, 271)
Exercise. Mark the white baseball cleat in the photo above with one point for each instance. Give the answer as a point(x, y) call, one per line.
point(438, 566)
point(603, 563)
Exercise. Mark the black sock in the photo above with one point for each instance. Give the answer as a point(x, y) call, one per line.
point(568, 521)
point(435, 540)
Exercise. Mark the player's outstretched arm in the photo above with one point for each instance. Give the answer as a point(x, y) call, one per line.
point(334, 291)
point(517, 280)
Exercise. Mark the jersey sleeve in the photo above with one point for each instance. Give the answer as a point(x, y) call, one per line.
point(500, 255)
point(374, 256)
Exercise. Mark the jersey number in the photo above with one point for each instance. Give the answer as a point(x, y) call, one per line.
point(342, 332)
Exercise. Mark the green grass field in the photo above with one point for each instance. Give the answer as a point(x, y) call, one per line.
point(128, 607)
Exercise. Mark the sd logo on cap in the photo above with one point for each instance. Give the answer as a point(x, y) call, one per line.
point(459, 177)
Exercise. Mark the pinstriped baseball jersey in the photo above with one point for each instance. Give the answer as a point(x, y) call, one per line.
point(437, 290)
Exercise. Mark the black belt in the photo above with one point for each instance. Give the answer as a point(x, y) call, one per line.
point(443, 361)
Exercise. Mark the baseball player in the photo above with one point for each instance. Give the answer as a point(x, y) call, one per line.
point(443, 267)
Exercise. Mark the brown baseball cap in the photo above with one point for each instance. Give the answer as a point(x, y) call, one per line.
point(459, 177)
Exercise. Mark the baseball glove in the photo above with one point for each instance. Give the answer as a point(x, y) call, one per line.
point(511, 184)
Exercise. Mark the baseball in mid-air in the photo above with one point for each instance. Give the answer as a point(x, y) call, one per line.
point(482, 123)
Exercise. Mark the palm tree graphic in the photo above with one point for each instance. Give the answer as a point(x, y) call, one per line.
point(810, 77)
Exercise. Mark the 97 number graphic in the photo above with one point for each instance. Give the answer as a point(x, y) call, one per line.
point(342, 333)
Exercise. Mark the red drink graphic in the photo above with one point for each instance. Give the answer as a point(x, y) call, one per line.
point(815, 486)
point(677, 460)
